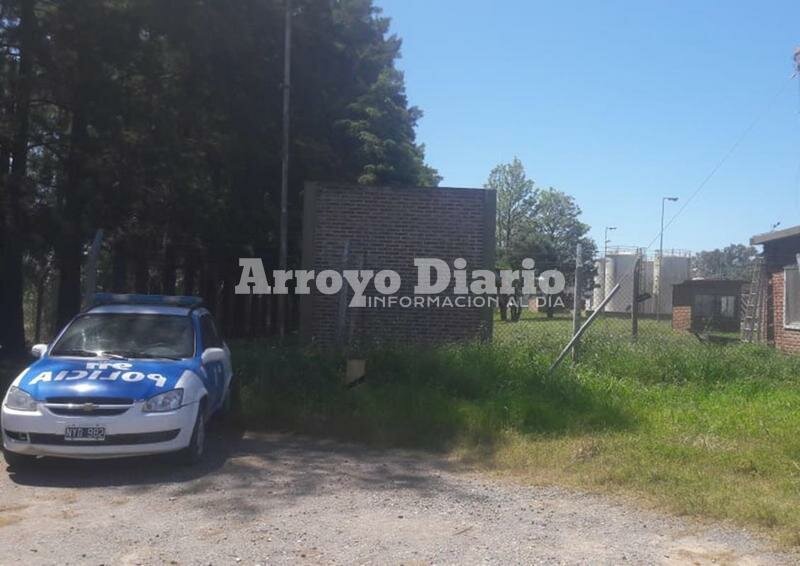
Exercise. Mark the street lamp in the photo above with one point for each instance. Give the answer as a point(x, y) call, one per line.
point(606, 240)
point(661, 255)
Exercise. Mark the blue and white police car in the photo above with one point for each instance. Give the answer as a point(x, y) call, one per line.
point(129, 376)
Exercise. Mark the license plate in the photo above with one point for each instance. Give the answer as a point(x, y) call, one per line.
point(85, 433)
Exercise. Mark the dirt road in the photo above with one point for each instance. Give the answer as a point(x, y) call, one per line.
point(273, 499)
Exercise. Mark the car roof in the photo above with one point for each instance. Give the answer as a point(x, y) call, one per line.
point(140, 309)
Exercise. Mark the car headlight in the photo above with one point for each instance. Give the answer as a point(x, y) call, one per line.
point(163, 402)
point(20, 400)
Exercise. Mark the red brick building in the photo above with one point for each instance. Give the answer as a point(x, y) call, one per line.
point(707, 304)
point(780, 315)
point(386, 228)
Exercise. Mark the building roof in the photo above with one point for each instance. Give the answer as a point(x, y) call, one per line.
point(710, 282)
point(775, 235)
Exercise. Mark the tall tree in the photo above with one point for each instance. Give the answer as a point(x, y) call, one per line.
point(558, 221)
point(552, 236)
point(731, 262)
point(517, 198)
point(541, 225)
point(160, 123)
point(12, 330)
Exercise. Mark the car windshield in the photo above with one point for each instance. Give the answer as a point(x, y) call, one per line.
point(127, 336)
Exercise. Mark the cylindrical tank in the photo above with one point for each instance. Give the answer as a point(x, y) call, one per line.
point(599, 280)
point(610, 277)
point(672, 270)
point(619, 269)
point(647, 306)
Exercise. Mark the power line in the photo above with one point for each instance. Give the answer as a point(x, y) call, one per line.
point(725, 157)
point(716, 167)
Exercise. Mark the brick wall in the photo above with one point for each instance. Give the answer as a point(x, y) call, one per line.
point(786, 339)
point(386, 228)
point(778, 254)
point(682, 318)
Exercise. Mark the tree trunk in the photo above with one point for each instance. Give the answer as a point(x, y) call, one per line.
point(5, 164)
point(502, 303)
point(209, 285)
point(119, 270)
point(189, 274)
point(230, 304)
point(69, 248)
point(68, 262)
point(12, 329)
point(269, 315)
point(40, 288)
point(168, 272)
point(141, 275)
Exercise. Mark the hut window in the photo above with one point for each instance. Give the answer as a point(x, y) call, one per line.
point(727, 306)
point(791, 297)
point(704, 305)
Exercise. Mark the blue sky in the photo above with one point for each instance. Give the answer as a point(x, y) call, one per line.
point(616, 103)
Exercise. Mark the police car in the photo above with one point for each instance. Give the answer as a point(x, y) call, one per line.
point(131, 375)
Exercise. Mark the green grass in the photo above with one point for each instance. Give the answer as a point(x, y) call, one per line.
point(704, 430)
point(434, 398)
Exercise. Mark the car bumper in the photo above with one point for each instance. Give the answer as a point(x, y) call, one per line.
point(133, 433)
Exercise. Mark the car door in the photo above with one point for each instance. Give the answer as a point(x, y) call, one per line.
point(217, 373)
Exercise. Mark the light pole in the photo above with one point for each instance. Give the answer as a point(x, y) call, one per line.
point(284, 223)
point(661, 255)
point(606, 240)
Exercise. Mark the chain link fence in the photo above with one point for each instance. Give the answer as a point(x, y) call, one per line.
point(524, 320)
point(632, 296)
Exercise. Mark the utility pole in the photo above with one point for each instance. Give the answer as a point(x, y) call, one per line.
point(661, 255)
point(284, 230)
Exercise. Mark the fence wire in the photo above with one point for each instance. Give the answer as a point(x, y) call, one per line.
point(652, 306)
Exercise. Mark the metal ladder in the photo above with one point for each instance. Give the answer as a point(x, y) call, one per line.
point(753, 303)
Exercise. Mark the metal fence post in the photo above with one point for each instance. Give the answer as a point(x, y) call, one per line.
point(584, 327)
point(576, 299)
point(637, 273)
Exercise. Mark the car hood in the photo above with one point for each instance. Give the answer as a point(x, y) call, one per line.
point(89, 377)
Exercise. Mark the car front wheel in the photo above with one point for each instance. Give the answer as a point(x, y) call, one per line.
point(17, 461)
point(231, 402)
point(193, 453)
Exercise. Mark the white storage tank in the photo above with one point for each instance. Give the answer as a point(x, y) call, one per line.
point(599, 279)
point(647, 306)
point(619, 269)
point(618, 266)
point(673, 268)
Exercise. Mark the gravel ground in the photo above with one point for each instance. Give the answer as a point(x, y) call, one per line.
point(276, 499)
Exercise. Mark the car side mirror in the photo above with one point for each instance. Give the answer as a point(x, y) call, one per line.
point(39, 350)
point(211, 355)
